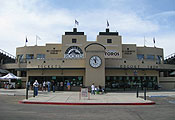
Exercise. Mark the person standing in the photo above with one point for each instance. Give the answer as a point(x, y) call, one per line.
point(54, 84)
point(68, 85)
point(44, 86)
point(93, 89)
point(35, 85)
point(61, 85)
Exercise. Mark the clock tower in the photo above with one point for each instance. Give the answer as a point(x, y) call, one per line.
point(95, 65)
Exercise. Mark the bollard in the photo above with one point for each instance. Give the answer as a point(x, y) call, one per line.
point(145, 93)
point(137, 91)
point(27, 89)
point(33, 91)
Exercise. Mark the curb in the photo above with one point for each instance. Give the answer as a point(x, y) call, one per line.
point(63, 103)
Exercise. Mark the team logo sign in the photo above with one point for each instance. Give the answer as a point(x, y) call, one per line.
point(112, 53)
point(74, 52)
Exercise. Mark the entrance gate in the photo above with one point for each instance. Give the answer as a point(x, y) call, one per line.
point(76, 82)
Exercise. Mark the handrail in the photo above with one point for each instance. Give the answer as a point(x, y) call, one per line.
point(169, 56)
point(7, 54)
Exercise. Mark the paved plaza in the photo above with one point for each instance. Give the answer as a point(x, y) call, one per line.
point(71, 98)
point(74, 98)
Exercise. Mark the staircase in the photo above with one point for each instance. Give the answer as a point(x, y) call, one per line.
point(170, 59)
point(6, 57)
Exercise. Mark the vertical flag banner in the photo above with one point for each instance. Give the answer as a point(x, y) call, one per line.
point(154, 41)
point(107, 24)
point(76, 23)
point(37, 38)
point(26, 41)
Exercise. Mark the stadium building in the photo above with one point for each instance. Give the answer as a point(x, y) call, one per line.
point(106, 62)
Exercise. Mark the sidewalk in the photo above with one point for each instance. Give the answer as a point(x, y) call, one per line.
point(73, 98)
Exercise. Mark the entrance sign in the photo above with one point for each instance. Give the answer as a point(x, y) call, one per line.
point(74, 52)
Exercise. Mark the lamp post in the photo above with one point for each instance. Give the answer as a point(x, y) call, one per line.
point(145, 93)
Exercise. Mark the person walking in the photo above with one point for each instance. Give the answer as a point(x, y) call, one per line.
point(35, 85)
point(53, 85)
point(48, 85)
point(93, 89)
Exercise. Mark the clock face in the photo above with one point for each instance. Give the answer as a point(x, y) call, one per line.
point(95, 61)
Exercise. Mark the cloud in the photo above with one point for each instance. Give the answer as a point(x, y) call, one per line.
point(165, 14)
point(17, 21)
point(164, 19)
point(123, 22)
point(21, 18)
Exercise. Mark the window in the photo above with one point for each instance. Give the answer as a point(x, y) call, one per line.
point(109, 40)
point(75, 81)
point(23, 74)
point(140, 56)
point(159, 59)
point(40, 56)
point(20, 57)
point(29, 56)
point(74, 40)
point(150, 57)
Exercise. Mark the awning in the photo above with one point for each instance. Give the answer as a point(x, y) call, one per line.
point(10, 76)
point(173, 73)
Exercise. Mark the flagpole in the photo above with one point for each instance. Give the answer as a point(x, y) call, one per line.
point(75, 24)
point(36, 40)
point(25, 40)
point(144, 41)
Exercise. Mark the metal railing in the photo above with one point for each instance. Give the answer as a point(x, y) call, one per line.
point(7, 54)
point(169, 56)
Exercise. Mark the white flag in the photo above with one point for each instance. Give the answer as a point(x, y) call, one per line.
point(37, 37)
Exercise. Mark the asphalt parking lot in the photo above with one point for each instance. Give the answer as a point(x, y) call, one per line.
point(164, 109)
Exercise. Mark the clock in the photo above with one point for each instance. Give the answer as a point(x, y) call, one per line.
point(95, 61)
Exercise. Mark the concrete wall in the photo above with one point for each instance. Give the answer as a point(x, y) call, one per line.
point(129, 51)
point(167, 83)
point(150, 50)
point(95, 75)
point(115, 46)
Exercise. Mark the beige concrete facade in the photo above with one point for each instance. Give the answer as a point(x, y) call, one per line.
point(72, 59)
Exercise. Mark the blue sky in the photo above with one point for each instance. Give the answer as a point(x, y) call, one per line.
point(49, 19)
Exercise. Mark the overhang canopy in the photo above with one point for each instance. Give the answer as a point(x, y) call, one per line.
point(10, 76)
